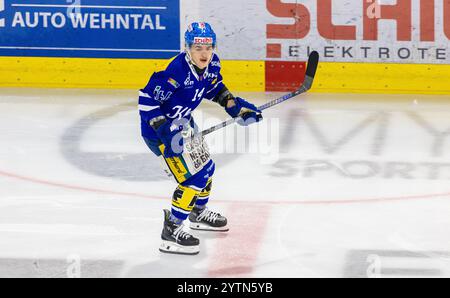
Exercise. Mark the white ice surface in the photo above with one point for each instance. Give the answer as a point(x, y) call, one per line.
point(328, 186)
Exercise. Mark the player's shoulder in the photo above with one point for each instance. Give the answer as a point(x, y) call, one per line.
point(176, 69)
point(177, 65)
point(168, 79)
point(171, 76)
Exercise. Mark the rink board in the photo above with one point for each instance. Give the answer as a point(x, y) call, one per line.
point(91, 29)
point(111, 73)
point(100, 44)
point(240, 76)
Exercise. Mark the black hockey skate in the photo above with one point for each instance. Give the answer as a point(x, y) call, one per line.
point(175, 240)
point(207, 220)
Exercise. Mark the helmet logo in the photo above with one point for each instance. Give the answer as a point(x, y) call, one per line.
point(203, 40)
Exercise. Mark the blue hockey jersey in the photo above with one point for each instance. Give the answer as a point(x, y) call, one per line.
point(176, 92)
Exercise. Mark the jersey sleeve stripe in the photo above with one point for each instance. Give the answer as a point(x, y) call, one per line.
point(145, 108)
point(215, 86)
point(143, 94)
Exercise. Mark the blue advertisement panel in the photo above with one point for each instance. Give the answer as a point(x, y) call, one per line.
point(90, 28)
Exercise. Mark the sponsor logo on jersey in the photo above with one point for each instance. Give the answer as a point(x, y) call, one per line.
point(216, 64)
point(211, 76)
point(188, 83)
point(173, 82)
point(161, 95)
point(177, 165)
point(203, 40)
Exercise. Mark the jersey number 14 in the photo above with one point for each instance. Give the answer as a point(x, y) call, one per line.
point(198, 95)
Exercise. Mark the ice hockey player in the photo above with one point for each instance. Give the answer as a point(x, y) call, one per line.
point(165, 106)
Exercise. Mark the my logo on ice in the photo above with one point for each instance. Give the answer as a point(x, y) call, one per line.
point(2, 8)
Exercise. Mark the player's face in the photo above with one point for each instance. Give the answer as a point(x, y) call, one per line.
point(201, 55)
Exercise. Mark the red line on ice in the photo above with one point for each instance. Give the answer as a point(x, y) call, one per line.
point(80, 188)
point(253, 202)
point(237, 253)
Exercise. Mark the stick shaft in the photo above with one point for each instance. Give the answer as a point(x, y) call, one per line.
point(313, 62)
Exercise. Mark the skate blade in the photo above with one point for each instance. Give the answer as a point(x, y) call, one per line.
point(204, 227)
point(173, 248)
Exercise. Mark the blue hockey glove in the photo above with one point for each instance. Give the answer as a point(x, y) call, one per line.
point(170, 135)
point(248, 112)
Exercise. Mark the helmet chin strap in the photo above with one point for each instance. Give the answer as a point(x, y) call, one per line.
point(188, 54)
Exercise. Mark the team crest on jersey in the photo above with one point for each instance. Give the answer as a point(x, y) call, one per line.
point(188, 83)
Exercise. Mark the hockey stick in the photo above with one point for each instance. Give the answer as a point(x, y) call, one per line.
point(313, 62)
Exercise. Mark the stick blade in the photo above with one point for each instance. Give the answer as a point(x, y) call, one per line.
point(313, 62)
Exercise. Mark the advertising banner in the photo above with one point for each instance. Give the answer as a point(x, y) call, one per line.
point(90, 28)
point(379, 31)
